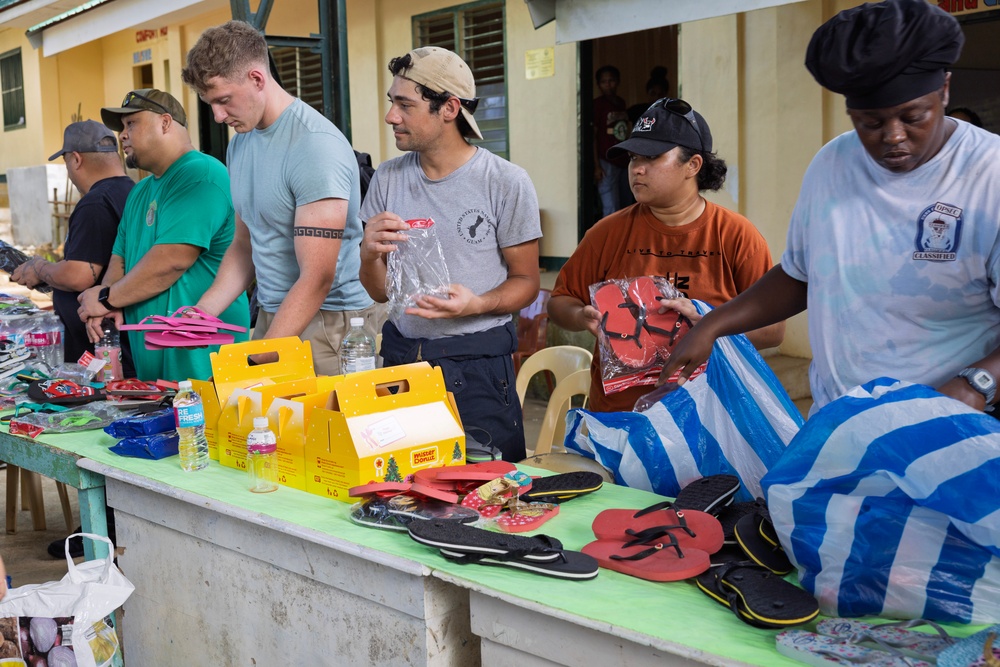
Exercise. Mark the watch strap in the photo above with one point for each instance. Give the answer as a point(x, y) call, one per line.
point(988, 394)
point(103, 295)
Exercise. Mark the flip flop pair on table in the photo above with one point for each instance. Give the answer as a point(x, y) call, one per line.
point(186, 327)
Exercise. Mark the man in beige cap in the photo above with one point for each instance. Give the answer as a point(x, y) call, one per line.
point(90, 152)
point(176, 227)
point(487, 222)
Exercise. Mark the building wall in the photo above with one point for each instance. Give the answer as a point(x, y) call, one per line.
point(25, 146)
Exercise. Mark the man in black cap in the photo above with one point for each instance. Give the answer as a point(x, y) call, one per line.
point(90, 152)
point(708, 252)
point(894, 242)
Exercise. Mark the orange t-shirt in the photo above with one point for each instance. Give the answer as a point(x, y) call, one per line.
point(712, 258)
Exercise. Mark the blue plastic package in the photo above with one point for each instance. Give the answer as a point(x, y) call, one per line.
point(160, 421)
point(154, 447)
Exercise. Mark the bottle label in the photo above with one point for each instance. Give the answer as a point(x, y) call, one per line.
point(360, 364)
point(189, 415)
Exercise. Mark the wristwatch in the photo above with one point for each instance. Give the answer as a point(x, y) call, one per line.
point(102, 296)
point(982, 381)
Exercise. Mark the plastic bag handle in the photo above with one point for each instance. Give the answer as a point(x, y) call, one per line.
point(109, 561)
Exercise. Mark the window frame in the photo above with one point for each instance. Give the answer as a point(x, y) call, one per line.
point(456, 13)
point(15, 90)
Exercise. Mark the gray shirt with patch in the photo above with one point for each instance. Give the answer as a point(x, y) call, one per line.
point(485, 205)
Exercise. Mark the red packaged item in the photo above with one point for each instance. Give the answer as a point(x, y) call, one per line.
point(634, 337)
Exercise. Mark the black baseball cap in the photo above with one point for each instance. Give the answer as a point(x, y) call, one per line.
point(666, 123)
point(85, 137)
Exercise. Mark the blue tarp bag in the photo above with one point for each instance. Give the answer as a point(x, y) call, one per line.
point(735, 418)
point(887, 503)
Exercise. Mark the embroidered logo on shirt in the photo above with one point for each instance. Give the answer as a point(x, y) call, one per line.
point(151, 214)
point(475, 226)
point(939, 230)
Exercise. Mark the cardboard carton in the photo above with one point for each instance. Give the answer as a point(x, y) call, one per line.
point(381, 426)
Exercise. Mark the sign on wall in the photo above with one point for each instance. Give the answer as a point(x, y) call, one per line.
point(965, 7)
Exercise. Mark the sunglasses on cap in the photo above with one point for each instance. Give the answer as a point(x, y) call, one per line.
point(468, 105)
point(684, 110)
point(134, 96)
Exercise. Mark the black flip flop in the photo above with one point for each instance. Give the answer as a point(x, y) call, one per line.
point(755, 535)
point(730, 514)
point(757, 596)
point(397, 512)
point(708, 494)
point(468, 540)
point(570, 565)
point(559, 488)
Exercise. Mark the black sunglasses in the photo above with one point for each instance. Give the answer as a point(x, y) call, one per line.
point(134, 95)
point(468, 105)
point(684, 110)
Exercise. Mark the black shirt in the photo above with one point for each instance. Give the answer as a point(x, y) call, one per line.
point(93, 226)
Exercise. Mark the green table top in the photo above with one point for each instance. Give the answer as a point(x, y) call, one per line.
point(673, 612)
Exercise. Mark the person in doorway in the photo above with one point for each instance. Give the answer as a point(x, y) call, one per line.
point(610, 127)
point(90, 152)
point(893, 247)
point(175, 228)
point(708, 252)
point(966, 114)
point(488, 226)
point(295, 188)
point(657, 87)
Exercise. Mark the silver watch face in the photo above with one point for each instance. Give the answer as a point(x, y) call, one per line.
point(982, 380)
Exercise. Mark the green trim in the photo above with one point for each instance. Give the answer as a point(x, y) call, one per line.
point(552, 263)
point(65, 16)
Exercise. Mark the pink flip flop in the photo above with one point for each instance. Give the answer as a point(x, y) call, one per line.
point(662, 560)
point(202, 319)
point(151, 323)
point(523, 517)
point(184, 338)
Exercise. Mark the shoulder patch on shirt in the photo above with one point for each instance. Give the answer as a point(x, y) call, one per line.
point(151, 214)
point(939, 231)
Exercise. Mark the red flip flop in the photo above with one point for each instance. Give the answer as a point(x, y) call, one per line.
point(475, 472)
point(661, 560)
point(422, 491)
point(666, 329)
point(621, 323)
point(523, 517)
point(693, 529)
point(381, 489)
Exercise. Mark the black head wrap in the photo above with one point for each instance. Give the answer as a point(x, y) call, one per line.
point(882, 54)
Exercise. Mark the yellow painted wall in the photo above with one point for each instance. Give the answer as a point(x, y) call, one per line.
point(543, 113)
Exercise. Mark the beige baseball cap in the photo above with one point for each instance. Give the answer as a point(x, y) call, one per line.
point(443, 71)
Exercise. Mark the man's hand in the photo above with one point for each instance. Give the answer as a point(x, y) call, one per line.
point(27, 273)
point(591, 319)
point(382, 233)
point(93, 325)
point(89, 305)
point(462, 302)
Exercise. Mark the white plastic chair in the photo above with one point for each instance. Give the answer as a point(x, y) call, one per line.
point(561, 361)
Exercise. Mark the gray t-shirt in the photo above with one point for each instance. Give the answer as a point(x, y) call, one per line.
point(483, 206)
point(301, 158)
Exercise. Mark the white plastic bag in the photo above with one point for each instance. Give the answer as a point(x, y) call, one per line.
point(67, 622)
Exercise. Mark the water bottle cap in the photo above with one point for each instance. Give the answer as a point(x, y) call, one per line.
point(184, 384)
point(357, 321)
point(261, 422)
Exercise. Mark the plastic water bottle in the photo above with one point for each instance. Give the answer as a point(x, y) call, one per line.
point(357, 351)
point(45, 339)
point(262, 457)
point(109, 351)
point(189, 415)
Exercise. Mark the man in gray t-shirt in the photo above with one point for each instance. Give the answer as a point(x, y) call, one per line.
point(486, 217)
point(295, 189)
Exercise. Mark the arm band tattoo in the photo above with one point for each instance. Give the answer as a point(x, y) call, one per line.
point(92, 271)
point(318, 232)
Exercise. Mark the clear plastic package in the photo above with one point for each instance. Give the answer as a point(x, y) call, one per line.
point(634, 337)
point(416, 268)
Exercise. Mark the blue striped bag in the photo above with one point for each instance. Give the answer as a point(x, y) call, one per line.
point(888, 503)
point(735, 418)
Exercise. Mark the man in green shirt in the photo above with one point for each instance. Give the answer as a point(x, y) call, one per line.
point(174, 231)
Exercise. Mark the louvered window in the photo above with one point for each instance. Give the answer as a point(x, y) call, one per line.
point(475, 32)
point(300, 72)
point(12, 90)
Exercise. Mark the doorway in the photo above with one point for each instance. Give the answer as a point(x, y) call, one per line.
point(975, 78)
